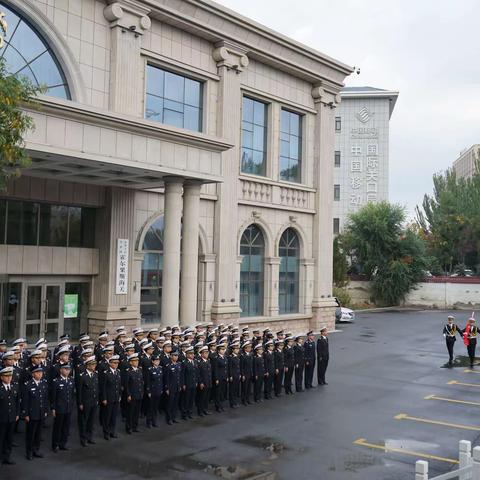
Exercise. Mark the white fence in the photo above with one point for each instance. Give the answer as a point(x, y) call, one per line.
point(469, 466)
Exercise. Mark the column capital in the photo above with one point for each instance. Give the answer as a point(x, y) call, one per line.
point(272, 260)
point(172, 182)
point(130, 15)
point(321, 94)
point(230, 55)
point(192, 186)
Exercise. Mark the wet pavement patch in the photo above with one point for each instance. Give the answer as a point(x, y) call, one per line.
point(268, 444)
point(461, 361)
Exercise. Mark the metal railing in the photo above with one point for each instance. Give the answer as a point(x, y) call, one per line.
point(469, 465)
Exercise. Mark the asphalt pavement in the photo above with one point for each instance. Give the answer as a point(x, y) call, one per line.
point(388, 387)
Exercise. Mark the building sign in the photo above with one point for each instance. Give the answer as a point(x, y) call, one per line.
point(70, 306)
point(3, 29)
point(122, 267)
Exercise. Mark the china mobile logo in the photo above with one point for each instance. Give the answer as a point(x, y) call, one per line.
point(364, 115)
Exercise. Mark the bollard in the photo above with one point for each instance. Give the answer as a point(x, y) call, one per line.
point(421, 470)
point(464, 457)
point(476, 464)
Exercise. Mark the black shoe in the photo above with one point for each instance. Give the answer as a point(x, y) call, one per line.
point(154, 425)
point(136, 430)
point(8, 462)
point(83, 443)
point(190, 416)
point(106, 437)
point(91, 442)
point(325, 383)
point(29, 456)
point(54, 449)
point(37, 455)
point(207, 412)
point(169, 422)
point(175, 421)
point(64, 448)
point(200, 414)
point(129, 432)
point(113, 435)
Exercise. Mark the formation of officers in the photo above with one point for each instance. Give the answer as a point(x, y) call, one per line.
point(156, 372)
point(468, 335)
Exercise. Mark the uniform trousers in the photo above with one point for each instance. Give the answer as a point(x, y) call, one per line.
point(234, 391)
point(86, 421)
point(299, 377)
point(288, 380)
point(33, 436)
point(450, 344)
point(186, 401)
point(278, 381)
point(133, 414)
point(220, 393)
point(321, 370)
point(6, 439)
point(154, 406)
point(246, 390)
point(61, 429)
point(257, 388)
point(108, 415)
point(268, 385)
point(309, 369)
point(172, 405)
point(203, 397)
point(472, 345)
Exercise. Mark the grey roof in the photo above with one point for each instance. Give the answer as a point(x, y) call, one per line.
point(363, 89)
point(370, 92)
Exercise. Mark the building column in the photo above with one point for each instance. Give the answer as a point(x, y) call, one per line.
point(271, 294)
point(171, 250)
point(189, 278)
point(323, 306)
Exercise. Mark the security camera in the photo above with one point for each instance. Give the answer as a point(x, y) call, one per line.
point(132, 28)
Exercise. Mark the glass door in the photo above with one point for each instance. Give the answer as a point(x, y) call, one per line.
point(43, 312)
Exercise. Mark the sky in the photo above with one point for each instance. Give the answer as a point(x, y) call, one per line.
point(428, 50)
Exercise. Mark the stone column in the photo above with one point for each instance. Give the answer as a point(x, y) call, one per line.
point(323, 306)
point(189, 278)
point(272, 276)
point(128, 21)
point(171, 250)
point(231, 60)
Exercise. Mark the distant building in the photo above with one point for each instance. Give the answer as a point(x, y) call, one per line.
point(464, 165)
point(361, 150)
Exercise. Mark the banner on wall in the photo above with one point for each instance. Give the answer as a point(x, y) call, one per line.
point(122, 267)
point(70, 307)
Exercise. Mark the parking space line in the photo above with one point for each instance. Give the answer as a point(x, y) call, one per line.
point(454, 382)
point(362, 442)
point(468, 370)
point(404, 416)
point(451, 400)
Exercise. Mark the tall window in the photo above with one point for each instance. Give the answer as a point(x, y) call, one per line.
point(27, 54)
point(254, 137)
point(173, 99)
point(338, 124)
point(337, 158)
point(290, 146)
point(336, 192)
point(152, 269)
point(252, 247)
point(336, 226)
point(289, 253)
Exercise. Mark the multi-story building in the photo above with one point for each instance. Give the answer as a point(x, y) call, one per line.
point(361, 150)
point(466, 163)
point(181, 170)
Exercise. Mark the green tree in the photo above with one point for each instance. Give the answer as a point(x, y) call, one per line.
point(389, 254)
point(340, 264)
point(15, 92)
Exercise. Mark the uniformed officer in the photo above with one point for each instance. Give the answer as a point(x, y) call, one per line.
point(234, 374)
point(110, 392)
point(299, 354)
point(279, 367)
point(173, 385)
point(258, 373)
point(450, 331)
point(322, 356)
point(3, 347)
point(87, 398)
point(189, 383)
point(34, 403)
point(99, 347)
point(246, 371)
point(62, 404)
point(289, 362)
point(219, 375)
point(134, 389)
point(154, 388)
point(9, 413)
point(269, 360)
point(204, 381)
point(470, 333)
point(310, 355)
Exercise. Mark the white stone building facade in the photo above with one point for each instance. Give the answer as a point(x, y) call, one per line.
point(361, 158)
point(181, 171)
point(466, 163)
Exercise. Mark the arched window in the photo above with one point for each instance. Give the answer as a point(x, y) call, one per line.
point(27, 54)
point(252, 247)
point(289, 252)
point(152, 268)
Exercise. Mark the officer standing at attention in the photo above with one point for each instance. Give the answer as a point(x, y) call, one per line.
point(470, 333)
point(234, 375)
point(62, 402)
point(322, 356)
point(154, 390)
point(450, 331)
point(110, 393)
point(269, 360)
point(204, 381)
point(34, 410)
point(173, 378)
point(279, 367)
point(246, 371)
point(289, 362)
point(219, 374)
point(299, 355)
point(258, 373)
point(88, 397)
point(9, 413)
point(134, 389)
point(309, 348)
point(190, 382)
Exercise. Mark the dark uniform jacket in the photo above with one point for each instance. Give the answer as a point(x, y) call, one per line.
point(278, 359)
point(189, 373)
point(62, 395)
point(322, 347)
point(9, 403)
point(450, 331)
point(205, 372)
point(88, 391)
point(234, 367)
point(155, 381)
point(219, 371)
point(34, 400)
point(258, 366)
point(289, 357)
point(268, 358)
point(134, 385)
point(299, 354)
point(173, 377)
point(309, 351)
point(110, 386)
point(246, 365)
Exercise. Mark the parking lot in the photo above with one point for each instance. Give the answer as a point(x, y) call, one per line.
point(387, 390)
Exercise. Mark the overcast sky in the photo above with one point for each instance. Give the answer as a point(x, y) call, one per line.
point(429, 50)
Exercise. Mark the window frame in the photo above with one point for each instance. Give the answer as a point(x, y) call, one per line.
point(336, 188)
point(338, 124)
point(301, 147)
point(288, 282)
point(336, 226)
point(338, 156)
